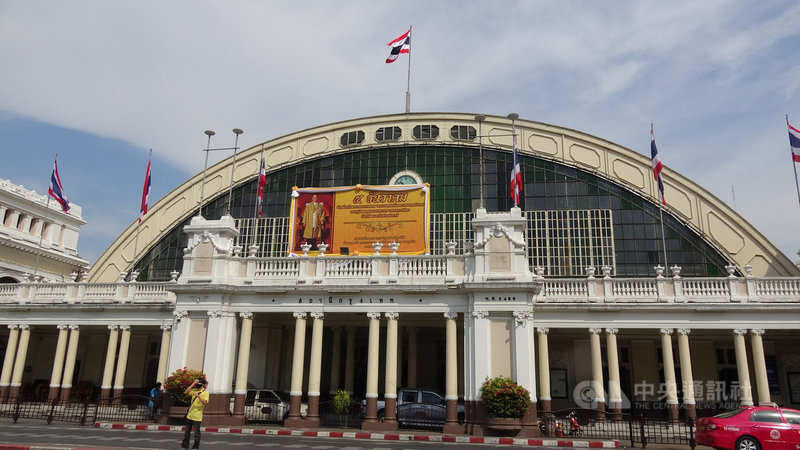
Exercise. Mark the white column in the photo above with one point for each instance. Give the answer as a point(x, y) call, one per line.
point(451, 356)
point(166, 334)
point(336, 356)
point(243, 364)
point(745, 390)
point(179, 341)
point(544, 369)
point(614, 389)
point(298, 360)
point(668, 362)
point(58, 360)
point(219, 359)
point(22, 355)
point(390, 386)
point(122, 359)
point(597, 368)
point(687, 378)
point(760, 367)
point(111, 353)
point(8, 361)
point(373, 354)
point(482, 355)
point(524, 355)
point(69, 364)
point(315, 362)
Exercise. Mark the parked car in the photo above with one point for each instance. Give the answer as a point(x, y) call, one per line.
point(266, 405)
point(418, 408)
point(751, 428)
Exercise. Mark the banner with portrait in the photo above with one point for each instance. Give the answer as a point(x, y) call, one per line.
point(350, 219)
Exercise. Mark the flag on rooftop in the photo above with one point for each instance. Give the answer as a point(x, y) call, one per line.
point(56, 190)
point(145, 192)
point(262, 181)
point(516, 174)
point(794, 141)
point(657, 166)
point(400, 45)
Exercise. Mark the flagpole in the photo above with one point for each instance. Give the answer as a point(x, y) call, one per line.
point(138, 224)
point(661, 216)
point(794, 164)
point(408, 86)
point(41, 233)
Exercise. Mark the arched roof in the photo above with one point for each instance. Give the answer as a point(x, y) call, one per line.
point(690, 203)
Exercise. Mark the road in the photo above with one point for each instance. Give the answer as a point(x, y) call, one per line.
point(91, 437)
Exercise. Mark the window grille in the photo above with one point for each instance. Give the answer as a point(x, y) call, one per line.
point(352, 138)
point(563, 242)
point(463, 133)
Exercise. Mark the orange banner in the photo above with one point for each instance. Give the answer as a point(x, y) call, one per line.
point(350, 219)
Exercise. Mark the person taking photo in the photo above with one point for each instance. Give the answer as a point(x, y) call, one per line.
point(197, 391)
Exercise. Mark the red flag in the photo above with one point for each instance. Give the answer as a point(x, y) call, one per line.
point(145, 192)
point(262, 181)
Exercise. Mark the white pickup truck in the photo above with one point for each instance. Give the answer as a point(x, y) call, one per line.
point(418, 408)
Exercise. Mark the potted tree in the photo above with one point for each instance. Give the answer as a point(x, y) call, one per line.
point(505, 402)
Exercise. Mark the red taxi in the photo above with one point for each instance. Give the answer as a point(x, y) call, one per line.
point(751, 428)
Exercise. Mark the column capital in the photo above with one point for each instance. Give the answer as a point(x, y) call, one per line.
point(683, 331)
point(451, 315)
point(522, 316)
point(374, 315)
point(667, 331)
point(543, 330)
point(392, 315)
point(125, 328)
point(480, 314)
point(24, 326)
point(214, 313)
point(299, 314)
point(62, 326)
point(246, 315)
point(612, 330)
point(757, 331)
point(13, 326)
point(74, 327)
point(595, 330)
point(166, 327)
point(317, 315)
point(113, 327)
point(739, 331)
point(179, 314)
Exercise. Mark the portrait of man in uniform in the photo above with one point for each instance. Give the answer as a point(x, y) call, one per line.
point(314, 215)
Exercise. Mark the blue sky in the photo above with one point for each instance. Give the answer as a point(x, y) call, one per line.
point(102, 82)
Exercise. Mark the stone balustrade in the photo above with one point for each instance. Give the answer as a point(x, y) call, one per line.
point(86, 293)
point(421, 271)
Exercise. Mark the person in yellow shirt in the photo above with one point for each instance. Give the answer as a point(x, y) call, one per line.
point(196, 390)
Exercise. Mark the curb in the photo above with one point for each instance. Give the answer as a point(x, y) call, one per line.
point(567, 443)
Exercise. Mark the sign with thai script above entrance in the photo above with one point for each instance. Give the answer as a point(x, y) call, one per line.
point(350, 219)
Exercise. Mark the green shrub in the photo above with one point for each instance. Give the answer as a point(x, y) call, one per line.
point(178, 381)
point(341, 406)
point(502, 397)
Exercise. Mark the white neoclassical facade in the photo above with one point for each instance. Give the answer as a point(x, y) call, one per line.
point(36, 238)
point(570, 299)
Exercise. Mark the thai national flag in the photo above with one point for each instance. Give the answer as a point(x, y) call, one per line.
point(657, 166)
point(399, 45)
point(794, 142)
point(56, 190)
point(262, 181)
point(145, 192)
point(516, 175)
